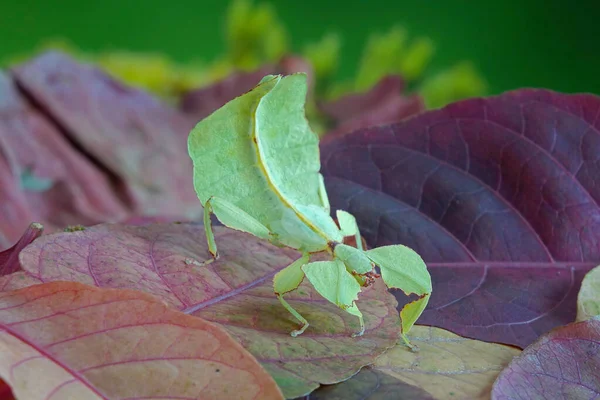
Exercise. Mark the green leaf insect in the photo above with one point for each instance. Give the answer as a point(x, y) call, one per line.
point(256, 167)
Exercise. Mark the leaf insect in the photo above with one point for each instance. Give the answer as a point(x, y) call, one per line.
point(256, 167)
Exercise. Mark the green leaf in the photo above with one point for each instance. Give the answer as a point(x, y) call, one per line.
point(459, 82)
point(417, 58)
point(255, 35)
point(356, 260)
point(381, 56)
point(324, 57)
point(259, 153)
point(402, 268)
point(333, 282)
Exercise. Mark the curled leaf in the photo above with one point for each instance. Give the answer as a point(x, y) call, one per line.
point(9, 259)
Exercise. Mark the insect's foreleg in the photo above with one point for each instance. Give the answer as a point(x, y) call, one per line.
point(210, 236)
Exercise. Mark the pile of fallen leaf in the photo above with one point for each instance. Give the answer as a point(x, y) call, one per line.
point(500, 197)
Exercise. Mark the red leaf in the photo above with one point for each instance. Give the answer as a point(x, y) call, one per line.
point(68, 340)
point(236, 292)
point(382, 104)
point(202, 102)
point(5, 392)
point(563, 364)
point(140, 142)
point(42, 176)
point(498, 195)
point(9, 259)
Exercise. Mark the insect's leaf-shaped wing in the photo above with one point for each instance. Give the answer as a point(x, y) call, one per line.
point(402, 268)
point(227, 165)
point(290, 153)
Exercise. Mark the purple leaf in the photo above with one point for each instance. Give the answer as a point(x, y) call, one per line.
point(498, 195)
point(563, 364)
point(382, 104)
point(138, 141)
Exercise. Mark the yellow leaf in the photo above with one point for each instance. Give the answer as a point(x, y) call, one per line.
point(447, 366)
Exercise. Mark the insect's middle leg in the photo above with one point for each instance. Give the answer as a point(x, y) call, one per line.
point(287, 280)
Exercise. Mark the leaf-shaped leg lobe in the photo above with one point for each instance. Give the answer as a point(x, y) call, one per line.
point(336, 284)
point(210, 236)
point(355, 311)
point(233, 217)
point(287, 280)
point(349, 226)
point(402, 268)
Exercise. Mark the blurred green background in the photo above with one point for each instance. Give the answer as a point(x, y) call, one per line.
point(528, 43)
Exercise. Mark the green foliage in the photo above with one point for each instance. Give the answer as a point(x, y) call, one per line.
point(256, 167)
point(324, 57)
point(381, 56)
point(417, 58)
point(392, 53)
point(459, 82)
point(254, 35)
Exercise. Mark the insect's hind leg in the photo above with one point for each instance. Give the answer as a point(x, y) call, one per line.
point(296, 314)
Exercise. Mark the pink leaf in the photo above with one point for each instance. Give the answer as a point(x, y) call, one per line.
point(236, 292)
point(42, 176)
point(382, 104)
point(68, 340)
point(500, 197)
point(563, 364)
point(139, 142)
